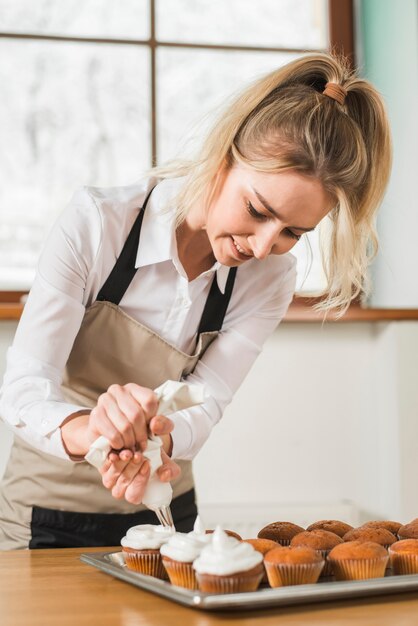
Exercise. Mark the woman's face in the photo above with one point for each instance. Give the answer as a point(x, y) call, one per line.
point(254, 214)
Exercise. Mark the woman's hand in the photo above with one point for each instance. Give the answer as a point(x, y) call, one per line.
point(122, 415)
point(127, 474)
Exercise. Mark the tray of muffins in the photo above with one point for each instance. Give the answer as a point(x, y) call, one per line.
point(284, 565)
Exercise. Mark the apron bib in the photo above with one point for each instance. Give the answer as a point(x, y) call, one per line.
point(46, 501)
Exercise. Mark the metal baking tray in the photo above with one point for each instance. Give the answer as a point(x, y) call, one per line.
point(327, 591)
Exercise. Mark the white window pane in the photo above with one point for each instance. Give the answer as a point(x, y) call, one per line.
point(193, 85)
point(75, 114)
point(77, 18)
point(272, 23)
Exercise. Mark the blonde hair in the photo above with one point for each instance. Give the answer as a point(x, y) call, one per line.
point(284, 122)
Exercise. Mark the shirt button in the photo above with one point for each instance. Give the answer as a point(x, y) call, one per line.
point(45, 422)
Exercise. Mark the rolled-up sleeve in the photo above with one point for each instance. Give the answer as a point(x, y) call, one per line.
point(226, 363)
point(31, 400)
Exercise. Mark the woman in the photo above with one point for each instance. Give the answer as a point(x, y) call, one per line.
point(182, 276)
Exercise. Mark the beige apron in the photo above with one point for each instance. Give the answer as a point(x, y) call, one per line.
point(111, 347)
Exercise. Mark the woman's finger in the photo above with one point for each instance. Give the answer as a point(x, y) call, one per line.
point(145, 397)
point(119, 420)
point(100, 424)
point(133, 412)
point(136, 489)
point(111, 476)
point(161, 425)
point(169, 470)
point(126, 477)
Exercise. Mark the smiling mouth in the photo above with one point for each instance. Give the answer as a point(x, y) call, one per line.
point(239, 249)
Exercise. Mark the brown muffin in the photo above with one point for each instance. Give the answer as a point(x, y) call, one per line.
point(392, 527)
point(263, 546)
point(281, 532)
point(408, 531)
point(231, 533)
point(321, 540)
point(378, 535)
point(357, 560)
point(332, 525)
point(404, 556)
point(296, 565)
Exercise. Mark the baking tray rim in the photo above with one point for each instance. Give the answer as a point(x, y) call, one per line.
point(263, 598)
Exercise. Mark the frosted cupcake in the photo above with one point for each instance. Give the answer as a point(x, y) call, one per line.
point(227, 565)
point(179, 553)
point(141, 548)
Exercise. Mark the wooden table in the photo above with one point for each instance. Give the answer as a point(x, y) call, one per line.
point(45, 587)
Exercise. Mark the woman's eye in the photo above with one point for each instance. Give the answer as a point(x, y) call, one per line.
point(290, 233)
point(254, 213)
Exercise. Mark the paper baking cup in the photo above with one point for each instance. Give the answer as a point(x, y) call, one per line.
point(359, 569)
point(148, 563)
point(327, 569)
point(403, 563)
point(284, 574)
point(208, 583)
point(180, 574)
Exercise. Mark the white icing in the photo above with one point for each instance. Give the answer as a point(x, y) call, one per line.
point(199, 528)
point(183, 547)
point(146, 537)
point(226, 555)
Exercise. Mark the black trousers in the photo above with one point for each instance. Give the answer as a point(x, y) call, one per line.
point(67, 529)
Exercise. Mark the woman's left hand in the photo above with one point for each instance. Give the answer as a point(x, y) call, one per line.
point(126, 473)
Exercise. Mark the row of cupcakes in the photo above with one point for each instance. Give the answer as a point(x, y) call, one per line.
point(282, 554)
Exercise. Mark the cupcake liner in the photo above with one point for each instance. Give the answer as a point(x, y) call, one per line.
point(180, 574)
point(327, 569)
point(283, 542)
point(236, 583)
point(284, 574)
point(146, 562)
point(404, 563)
point(359, 569)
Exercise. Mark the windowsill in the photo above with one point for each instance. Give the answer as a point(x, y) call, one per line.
point(299, 311)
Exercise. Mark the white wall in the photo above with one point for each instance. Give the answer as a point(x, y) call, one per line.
point(327, 416)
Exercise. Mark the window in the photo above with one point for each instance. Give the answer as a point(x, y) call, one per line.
point(97, 91)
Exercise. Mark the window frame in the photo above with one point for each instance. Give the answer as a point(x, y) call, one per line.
point(341, 40)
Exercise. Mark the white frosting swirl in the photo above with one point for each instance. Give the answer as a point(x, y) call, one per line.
point(186, 547)
point(146, 537)
point(226, 555)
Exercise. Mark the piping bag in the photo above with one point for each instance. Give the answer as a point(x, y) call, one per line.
point(173, 396)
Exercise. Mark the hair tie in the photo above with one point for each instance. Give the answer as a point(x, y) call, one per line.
point(336, 92)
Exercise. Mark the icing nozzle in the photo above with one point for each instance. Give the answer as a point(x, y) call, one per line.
point(164, 516)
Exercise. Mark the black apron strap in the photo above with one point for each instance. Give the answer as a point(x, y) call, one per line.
point(124, 270)
point(217, 304)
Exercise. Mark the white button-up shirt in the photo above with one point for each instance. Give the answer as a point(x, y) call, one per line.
point(79, 254)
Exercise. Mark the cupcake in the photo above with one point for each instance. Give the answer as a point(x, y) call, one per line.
point(227, 565)
point(392, 527)
point(293, 565)
point(404, 556)
point(378, 535)
point(230, 533)
point(332, 525)
point(408, 531)
point(358, 560)
point(141, 549)
point(262, 546)
point(179, 552)
point(321, 540)
point(281, 532)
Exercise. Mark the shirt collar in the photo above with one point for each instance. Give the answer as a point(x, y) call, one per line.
point(157, 242)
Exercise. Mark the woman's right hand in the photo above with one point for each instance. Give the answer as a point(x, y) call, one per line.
point(122, 415)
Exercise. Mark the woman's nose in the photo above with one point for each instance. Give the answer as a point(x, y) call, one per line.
point(262, 243)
